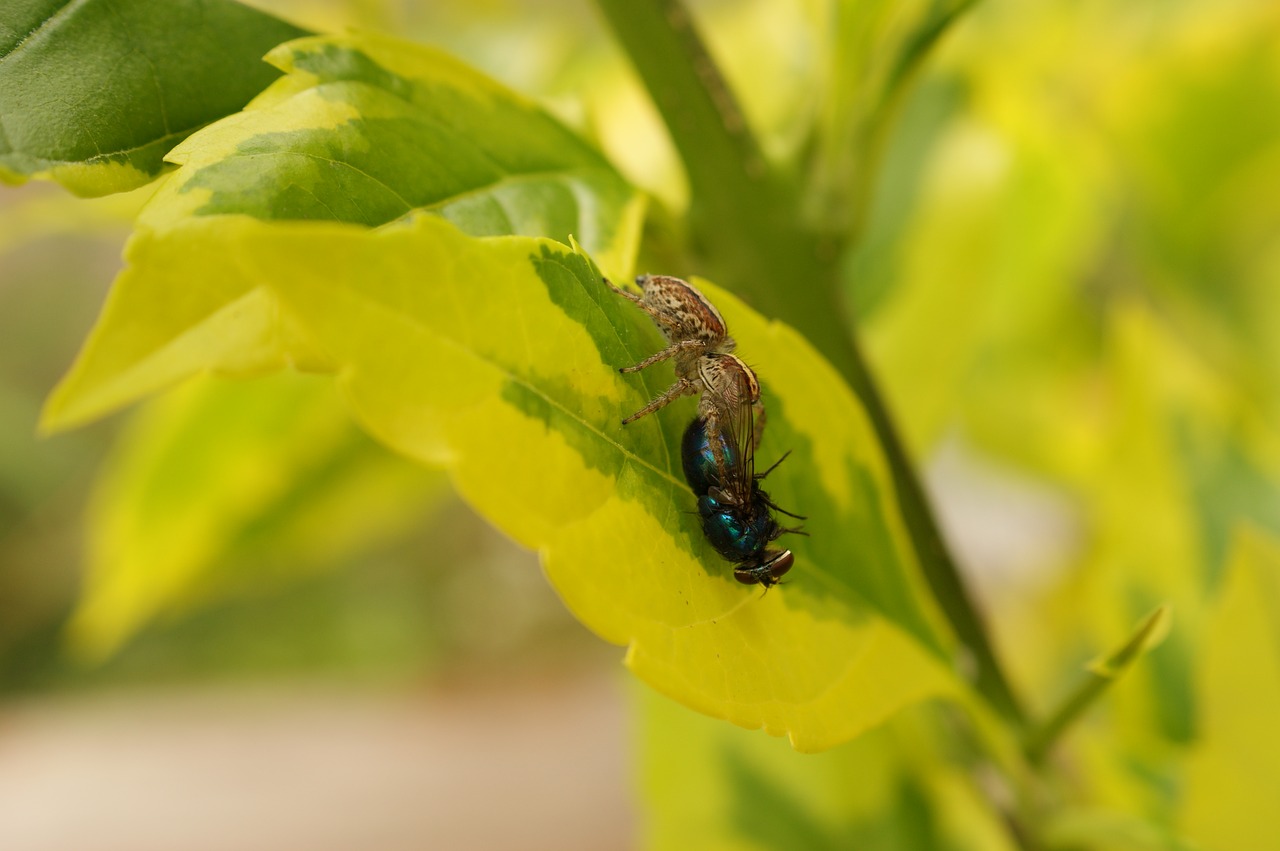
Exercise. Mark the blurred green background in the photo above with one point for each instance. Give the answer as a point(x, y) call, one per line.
point(1068, 279)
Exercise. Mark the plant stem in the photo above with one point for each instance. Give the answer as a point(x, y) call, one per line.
point(1101, 674)
point(747, 219)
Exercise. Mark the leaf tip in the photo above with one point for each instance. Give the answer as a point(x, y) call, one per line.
point(1150, 634)
point(53, 418)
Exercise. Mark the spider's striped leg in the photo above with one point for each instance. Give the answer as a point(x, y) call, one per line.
point(669, 352)
point(682, 387)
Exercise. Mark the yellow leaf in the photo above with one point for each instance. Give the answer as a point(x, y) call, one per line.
point(1233, 774)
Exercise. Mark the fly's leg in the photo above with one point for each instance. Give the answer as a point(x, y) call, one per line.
point(711, 409)
point(682, 387)
point(776, 508)
point(669, 352)
point(772, 466)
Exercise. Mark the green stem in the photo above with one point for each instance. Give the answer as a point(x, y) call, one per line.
point(747, 220)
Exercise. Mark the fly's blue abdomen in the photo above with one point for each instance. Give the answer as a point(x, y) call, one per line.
point(698, 459)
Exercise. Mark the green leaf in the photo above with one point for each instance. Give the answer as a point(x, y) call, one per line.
point(219, 485)
point(1232, 477)
point(367, 130)
point(504, 369)
point(876, 48)
point(94, 94)
point(364, 130)
point(873, 264)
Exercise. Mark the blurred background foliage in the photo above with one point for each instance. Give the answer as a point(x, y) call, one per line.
point(1067, 277)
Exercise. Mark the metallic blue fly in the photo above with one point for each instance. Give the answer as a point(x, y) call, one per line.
point(736, 513)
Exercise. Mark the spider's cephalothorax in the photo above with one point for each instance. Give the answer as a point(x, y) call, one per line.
point(690, 323)
point(692, 327)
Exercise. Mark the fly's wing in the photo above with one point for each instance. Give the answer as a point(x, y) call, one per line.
point(738, 417)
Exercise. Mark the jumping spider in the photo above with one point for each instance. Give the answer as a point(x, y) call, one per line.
point(699, 341)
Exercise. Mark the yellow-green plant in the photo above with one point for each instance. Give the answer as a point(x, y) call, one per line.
point(1086, 287)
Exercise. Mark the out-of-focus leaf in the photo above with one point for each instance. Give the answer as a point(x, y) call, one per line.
point(1233, 476)
point(29, 215)
point(221, 485)
point(1200, 152)
point(963, 328)
point(1233, 776)
point(31, 471)
point(1107, 830)
point(504, 369)
point(1042, 212)
point(361, 130)
point(94, 94)
point(1061, 334)
point(710, 786)
point(873, 265)
point(875, 51)
point(1145, 547)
